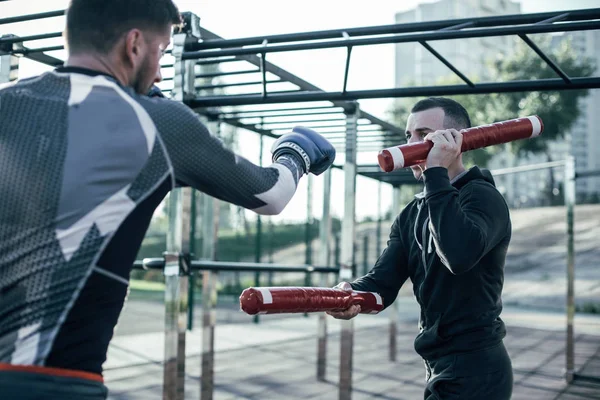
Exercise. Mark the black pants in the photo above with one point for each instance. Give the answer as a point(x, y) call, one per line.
point(484, 374)
point(16, 385)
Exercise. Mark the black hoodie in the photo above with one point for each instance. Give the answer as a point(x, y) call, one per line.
point(451, 240)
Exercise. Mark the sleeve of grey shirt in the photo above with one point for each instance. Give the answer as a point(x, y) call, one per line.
point(200, 160)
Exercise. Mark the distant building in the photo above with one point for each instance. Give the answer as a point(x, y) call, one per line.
point(585, 136)
point(416, 66)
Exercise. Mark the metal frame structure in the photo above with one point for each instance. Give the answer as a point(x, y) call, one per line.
point(202, 57)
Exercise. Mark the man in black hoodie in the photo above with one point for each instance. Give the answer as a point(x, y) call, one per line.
point(451, 241)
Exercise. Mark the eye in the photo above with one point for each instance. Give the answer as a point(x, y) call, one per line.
point(408, 135)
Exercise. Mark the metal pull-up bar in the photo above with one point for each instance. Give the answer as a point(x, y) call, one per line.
point(482, 22)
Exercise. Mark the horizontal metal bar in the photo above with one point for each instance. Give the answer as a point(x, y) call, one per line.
point(217, 74)
point(225, 85)
point(370, 135)
point(296, 121)
point(305, 85)
point(225, 116)
point(366, 129)
point(587, 174)
point(218, 61)
point(159, 263)
point(282, 109)
point(555, 18)
point(291, 125)
point(20, 39)
point(44, 59)
point(441, 90)
point(265, 132)
point(31, 17)
point(514, 19)
point(38, 50)
point(416, 37)
point(526, 168)
point(586, 378)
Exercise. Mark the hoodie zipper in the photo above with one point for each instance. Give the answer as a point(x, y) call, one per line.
point(426, 248)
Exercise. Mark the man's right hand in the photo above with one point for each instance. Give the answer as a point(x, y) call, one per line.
point(316, 152)
point(348, 313)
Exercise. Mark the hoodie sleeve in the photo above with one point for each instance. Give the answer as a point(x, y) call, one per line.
point(464, 225)
point(390, 271)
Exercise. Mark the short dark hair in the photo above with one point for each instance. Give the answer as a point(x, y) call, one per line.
point(455, 115)
point(96, 25)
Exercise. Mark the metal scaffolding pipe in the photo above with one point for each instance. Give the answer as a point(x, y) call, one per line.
point(347, 267)
point(515, 19)
point(31, 17)
point(202, 265)
point(420, 91)
point(404, 38)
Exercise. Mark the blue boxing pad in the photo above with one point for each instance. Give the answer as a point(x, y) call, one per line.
point(316, 151)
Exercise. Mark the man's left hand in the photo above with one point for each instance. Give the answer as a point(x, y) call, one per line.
point(446, 147)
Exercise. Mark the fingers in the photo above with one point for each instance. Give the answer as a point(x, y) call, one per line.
point(459, 139)
point(450, 137)
point(350, 313)
point(343, 286)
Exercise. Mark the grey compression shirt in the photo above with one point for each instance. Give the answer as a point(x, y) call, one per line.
point(84, 162)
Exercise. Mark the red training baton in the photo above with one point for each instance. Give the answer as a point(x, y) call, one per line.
point(405, 155)
point(272, 300)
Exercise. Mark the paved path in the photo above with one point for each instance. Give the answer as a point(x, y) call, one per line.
point(275, 359)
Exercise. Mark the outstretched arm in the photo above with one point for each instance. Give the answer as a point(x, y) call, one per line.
point(201, 160)
point(387, 276)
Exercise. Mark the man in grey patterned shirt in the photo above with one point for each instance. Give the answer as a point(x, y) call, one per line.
point(85, 159)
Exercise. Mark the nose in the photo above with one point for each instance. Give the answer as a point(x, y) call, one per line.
point(158, 76)
point(414, 138)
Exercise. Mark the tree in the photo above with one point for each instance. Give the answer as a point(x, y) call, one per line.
point(558, 109)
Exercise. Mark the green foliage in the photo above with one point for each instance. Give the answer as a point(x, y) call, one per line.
point(558, 109)
point(235, 246)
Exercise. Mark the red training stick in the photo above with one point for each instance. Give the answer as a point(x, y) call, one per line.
point(273, 300)
point(405, 155)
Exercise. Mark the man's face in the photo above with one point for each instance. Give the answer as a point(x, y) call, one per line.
point(148, 72)
point(418, 125)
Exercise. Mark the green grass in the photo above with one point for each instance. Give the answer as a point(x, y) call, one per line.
point(136, 284)
point(146, 290)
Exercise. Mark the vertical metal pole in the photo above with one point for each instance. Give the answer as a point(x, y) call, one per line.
point(210, 225)
point(9, 64)
point(394, 308)
point(347, 250)
point(308, 238)
point(208, 303)
point(336, 255)
point(379, 217)
point(569, 191)
point(324, 250)
point(184, 80)
point(176, 292)
point(365, 254)
point(191, 274)
point(258, 254)
point(177, 257)
point(271, 233)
